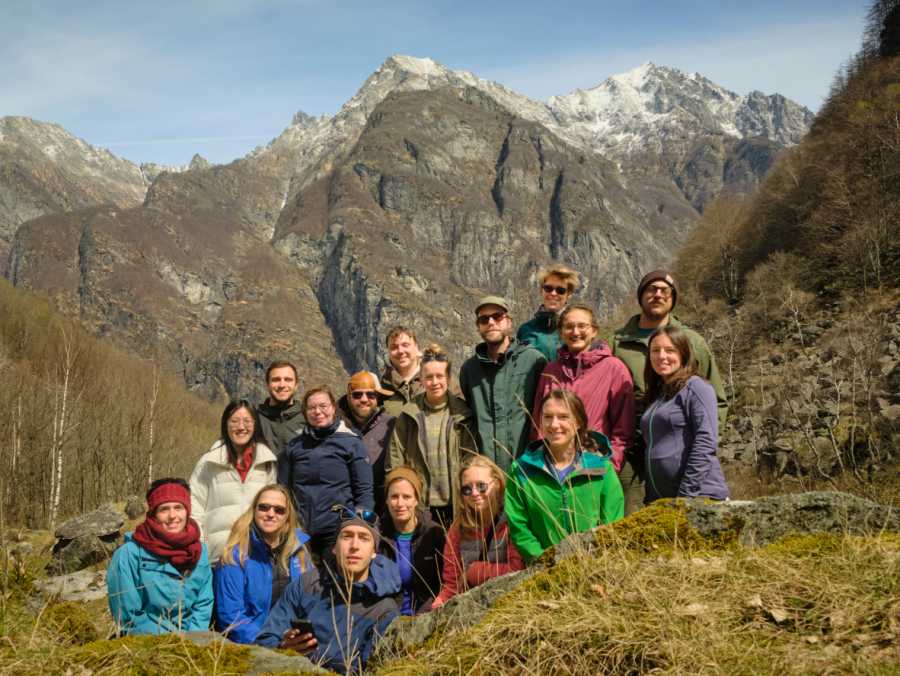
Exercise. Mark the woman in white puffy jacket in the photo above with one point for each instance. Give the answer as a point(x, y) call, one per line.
point(227, 477)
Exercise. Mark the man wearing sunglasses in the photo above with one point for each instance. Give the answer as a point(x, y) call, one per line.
point(499, 382)
point(657, 294)
point(363, 412)
point(558, 283)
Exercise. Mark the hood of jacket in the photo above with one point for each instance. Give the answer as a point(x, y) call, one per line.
point(278, 412)
point(387, 378)
point(347, 416)
point(545, 319)
point(574, 364)
point(585, 461)
point(337, 428)
point(458, 408)
point(218, 454)
point(631, 331)
point(515, 348)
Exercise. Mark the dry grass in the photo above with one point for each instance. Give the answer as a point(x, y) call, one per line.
point(813, 604)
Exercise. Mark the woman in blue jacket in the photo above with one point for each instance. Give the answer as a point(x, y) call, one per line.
point(680, 424)
point(263, 554)
point(326, 465)
point(159, 581)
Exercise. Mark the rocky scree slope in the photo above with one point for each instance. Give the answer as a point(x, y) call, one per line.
point(428, 188)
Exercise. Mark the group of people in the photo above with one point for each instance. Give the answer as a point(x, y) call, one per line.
point(313, 522)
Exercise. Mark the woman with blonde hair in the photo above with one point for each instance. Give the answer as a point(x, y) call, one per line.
point(478, 546)
point(263, 554)
point(432, 434)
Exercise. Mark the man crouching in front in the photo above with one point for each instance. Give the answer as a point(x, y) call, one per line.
point(335, 615)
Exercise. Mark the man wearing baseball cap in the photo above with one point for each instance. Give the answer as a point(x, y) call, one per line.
point(363, 412)
point(498, 383)
point(657, 294)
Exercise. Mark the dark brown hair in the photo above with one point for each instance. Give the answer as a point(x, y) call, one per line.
point(223, 427)
point(281, 365)
point(316, 390)
point(656, 387)
point(584, 307)
point(576, 407)
point(399, 330)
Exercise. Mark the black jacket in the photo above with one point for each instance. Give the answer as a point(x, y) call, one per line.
point(428, 554)
point(375, 435)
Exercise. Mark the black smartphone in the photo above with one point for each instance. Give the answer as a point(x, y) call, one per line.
point(303, 625)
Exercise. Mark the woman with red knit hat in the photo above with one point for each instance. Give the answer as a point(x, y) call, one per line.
point(159, 580)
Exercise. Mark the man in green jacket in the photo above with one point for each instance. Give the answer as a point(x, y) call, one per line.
point(498, 383)
point(542, 510)
point(657, 294)
point(558, 283)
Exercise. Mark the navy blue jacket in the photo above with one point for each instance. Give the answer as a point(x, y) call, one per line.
point(244, 592)
point(323, 468)
point(345, 642)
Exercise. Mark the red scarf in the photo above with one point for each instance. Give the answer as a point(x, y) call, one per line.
point(182, 549)
point(245, 462)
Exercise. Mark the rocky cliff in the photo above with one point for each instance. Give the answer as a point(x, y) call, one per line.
point(428, 188)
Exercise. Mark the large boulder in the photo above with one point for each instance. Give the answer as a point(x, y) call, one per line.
point(85, 540)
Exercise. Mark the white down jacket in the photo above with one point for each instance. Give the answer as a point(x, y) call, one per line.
point(219, 497)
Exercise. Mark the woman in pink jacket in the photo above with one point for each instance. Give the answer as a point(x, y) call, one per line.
point(586, 366)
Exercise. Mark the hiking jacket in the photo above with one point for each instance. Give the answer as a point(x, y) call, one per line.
point(500, 395)
point(148, 595)
point(542, 333)
point(279, 425)
point(406, 447)
point(427, 553)
point(680, 436)
point(375, 434)
point(404, 393)
point(346, 626)
point(323, 468)
point(628, 345)
point(471, 561)
point(604, 385)
point(244, 591)
point(219, 497)
point(542, 511)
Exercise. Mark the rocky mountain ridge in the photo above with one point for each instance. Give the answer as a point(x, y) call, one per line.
point(428, 188)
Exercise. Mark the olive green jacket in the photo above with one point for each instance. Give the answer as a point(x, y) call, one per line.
point(632, 348)
point(405, 445)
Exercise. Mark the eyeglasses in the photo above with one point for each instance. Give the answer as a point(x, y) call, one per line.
point(366, 515)
point(665, 291)
point(241, 422)
point(558, 290)
point(479, 486)
point(266, 507)
point(364, 394)
point(318, 407)
point(433, 356)
point(496, 317)
point(577, 327)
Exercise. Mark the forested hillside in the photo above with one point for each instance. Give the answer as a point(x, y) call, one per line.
point(84, 422)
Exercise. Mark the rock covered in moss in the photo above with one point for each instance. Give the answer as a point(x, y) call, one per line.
point(260, 660)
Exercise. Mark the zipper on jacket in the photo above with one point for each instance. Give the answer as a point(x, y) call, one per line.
point(653, 408)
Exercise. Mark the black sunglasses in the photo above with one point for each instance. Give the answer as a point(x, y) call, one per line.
point(433, 356)
point(497, 317)
point(366, 515)
point(359, 394)
point(480, 486)
point(265, 507)
point(558, 290)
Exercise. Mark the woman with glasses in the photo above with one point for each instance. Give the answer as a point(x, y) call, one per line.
point(558, 283)
point(563, 484)
point(586, 366)
point(263, 554)
point(412, 539)
point(227, 477)
point(680, 425)
point(478, 545)
point(432, 434)
point(325, 466)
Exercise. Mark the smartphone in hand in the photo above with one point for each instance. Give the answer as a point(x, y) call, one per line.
point(304, 626)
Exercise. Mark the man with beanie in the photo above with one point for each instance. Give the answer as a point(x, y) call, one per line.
point(498, 383)
point(362, 410)
point(348, 602)
point(657, 294)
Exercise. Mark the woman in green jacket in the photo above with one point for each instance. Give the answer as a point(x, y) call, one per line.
point(564, 483)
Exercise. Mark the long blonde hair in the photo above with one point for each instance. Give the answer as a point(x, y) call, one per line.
point(287, 536)
point(469, 518)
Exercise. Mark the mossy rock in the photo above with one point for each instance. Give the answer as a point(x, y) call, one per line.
point(72, 622)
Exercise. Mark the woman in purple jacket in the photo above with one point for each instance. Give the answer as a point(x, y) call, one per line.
point(680, 426)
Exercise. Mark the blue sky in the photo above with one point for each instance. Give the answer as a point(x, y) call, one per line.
point(158, 82)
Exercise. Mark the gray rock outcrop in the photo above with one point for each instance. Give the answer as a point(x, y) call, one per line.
point(86, 540)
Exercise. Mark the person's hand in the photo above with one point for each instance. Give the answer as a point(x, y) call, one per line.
point(301, 643)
